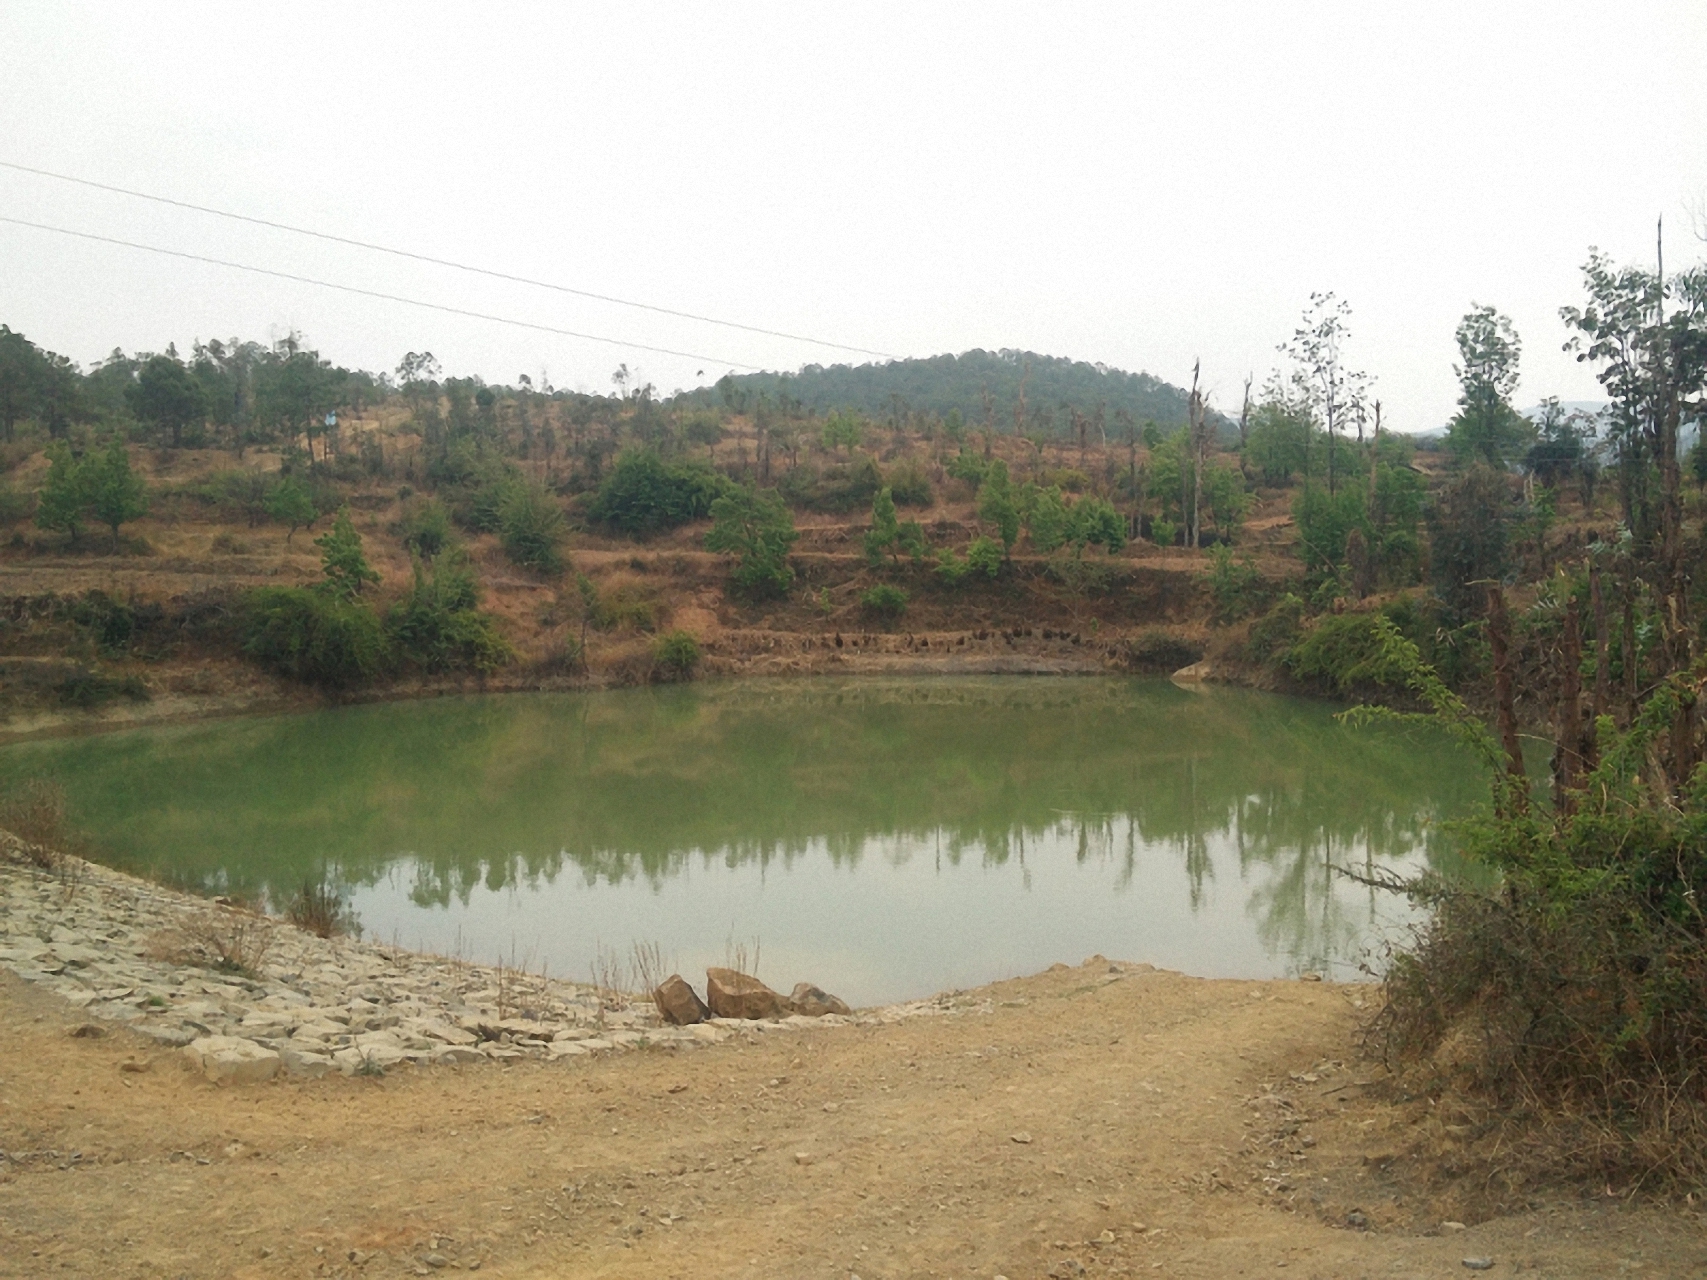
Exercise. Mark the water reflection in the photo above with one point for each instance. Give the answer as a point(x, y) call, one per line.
point(1010, 820)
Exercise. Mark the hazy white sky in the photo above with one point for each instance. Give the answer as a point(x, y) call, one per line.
point(1134, 184)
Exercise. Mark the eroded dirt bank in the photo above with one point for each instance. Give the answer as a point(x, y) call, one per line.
point(1133, 1122)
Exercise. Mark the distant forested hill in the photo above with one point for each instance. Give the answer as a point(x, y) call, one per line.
point(941, 385)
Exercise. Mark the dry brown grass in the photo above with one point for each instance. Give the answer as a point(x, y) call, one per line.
point(226, 939)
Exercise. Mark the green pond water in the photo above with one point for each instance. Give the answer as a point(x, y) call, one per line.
point(884, 838)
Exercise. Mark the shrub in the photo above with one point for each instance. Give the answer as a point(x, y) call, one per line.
point(985, 556)
point(1273, 634)
point(675, 655)
point(290, 503)
point(531, 527)
point(1094, 521)
point(909, 485)
point(426, 527)
point(885, 601)
point(759, 529)
point(1163, 532)
point(314, 636)
point(342, 559)
point(87, 689)
point(1344, 650)
point(14, 506)
point(1235, 584)
point(644, 495)
point(437, 626)
point(839, 488)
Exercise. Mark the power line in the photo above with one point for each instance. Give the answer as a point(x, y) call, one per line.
point(374, 293)
point(441, 262)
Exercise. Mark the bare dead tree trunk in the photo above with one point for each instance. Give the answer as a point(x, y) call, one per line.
point(1499, 640)
point(1631, 682)
point(1245, 417)
point(1602, 644)
point(1196, 417)
point(1568, 753)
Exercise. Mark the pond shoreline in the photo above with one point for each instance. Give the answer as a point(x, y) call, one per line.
point(247, 996)
point(783, 655)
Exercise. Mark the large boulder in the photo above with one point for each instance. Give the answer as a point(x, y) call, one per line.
point(732, 994)
point(232, 1059)
point(678, 1003)
point(815, 1002)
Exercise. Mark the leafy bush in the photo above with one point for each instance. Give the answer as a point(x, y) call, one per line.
point(1274, 634)
point(985, 556)
point(1344, 650)
point(1164, 533)
point(342, 559)
point(1235, 584)
point(318, 637)
point(839, 488)
point(87, 689)
point(14, 506)
point(759, 529)
point(438, 626)
point(885, 601)
point(910, 485)
point(290, 503)
point(531, 527)
point(1094, 522)
point(675, 655)
point(426, 527)
point(1571, 987)
point(644, 495)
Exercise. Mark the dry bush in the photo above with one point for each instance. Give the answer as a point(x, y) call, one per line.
point(609, 981)
point(742, 957)
point(647, 968)
point(34, 811)
point(226, 939)
point(318, 908)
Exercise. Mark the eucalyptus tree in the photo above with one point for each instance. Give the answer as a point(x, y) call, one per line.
point(1333, 394)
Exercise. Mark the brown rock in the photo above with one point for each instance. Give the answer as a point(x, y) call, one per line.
point(815, 1002)
point(740, 995)
point(679, 1003)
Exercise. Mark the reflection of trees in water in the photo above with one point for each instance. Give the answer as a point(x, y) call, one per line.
point(641, 785)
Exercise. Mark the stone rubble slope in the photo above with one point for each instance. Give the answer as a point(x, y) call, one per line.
point(98, 938)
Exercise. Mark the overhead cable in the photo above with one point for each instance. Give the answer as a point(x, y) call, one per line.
point(441, 262)
point(375, 293)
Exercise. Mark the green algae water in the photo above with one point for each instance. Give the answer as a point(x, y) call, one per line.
point(884, 838)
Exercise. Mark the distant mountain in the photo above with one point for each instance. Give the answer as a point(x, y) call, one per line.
point(942, 385)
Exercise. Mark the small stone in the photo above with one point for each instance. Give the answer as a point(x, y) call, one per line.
point(1107, 1237)
point(1479, 1264)
point(678, 1003)
point(814, 1002)
point(1357, 1220)
point(1066, 1268)
point(832, 1107)
point(1453, 1226)
point(436, 1260)
point(802, 1157)
point(87, 1031)
point(1022, 1137)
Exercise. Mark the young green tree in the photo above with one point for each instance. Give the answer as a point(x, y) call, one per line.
point(290, 503)
point(1094, 521)
point(885, 527)
point(342, 560)
point(997, 505)
point(759, 528)
point(531, 527)
point(1046, 518)
point(115, 492)
point(166, 398)
point(64, 495)
point(1486, 426)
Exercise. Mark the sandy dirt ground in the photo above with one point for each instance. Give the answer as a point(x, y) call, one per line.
point(1101, 1120)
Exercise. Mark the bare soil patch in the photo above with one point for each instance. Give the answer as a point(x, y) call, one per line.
point(1120, 1120)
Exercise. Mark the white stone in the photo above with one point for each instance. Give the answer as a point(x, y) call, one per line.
point(232, 1059)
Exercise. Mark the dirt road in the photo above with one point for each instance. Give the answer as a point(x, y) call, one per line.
point(1102, 1121)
